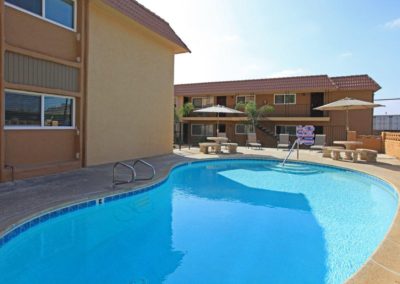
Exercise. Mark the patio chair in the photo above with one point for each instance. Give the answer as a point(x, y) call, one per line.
point(283, 141)
point(252, 141)
point(319, 142)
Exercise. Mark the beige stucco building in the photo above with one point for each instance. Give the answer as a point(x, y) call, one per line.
point(83, 83)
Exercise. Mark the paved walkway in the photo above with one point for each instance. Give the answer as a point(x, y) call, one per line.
point(24, 198)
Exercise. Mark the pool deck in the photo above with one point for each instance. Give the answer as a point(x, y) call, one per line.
point(24, 199)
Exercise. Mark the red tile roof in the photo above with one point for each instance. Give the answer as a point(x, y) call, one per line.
point(317, 83)
point(356, 82)
point(148, 19)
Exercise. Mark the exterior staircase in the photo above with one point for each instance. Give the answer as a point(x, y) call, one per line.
point(267, 137)
point(267, 130)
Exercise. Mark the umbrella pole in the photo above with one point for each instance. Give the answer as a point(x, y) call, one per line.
point(217, 123)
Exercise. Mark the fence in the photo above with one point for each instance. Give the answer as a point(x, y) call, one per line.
point(391, 143)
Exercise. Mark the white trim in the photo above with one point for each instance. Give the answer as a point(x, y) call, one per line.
point(245, 96)
point(43, 16)
point(42, 126)
point(284, 95)
point(207, 98)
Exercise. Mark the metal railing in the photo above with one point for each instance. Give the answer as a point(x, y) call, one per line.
point(290, 152)
point(132, 170)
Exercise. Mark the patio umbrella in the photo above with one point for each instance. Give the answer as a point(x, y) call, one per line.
point(218, 109)
point(348, 104)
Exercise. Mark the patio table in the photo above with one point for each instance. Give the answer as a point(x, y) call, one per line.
point(218, 140)
point(349, 145)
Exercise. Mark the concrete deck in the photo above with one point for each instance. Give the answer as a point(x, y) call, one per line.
point(26, 198)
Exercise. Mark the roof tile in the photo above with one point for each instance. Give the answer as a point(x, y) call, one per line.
point(315, 83)
point(356, 82)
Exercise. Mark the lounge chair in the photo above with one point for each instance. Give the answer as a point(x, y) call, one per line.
point(283, 141)
point(252, 141)
point(319, 142)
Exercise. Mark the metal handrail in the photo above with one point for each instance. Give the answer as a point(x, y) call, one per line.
point(131, 168)
point(146, 164)
point(296, 142)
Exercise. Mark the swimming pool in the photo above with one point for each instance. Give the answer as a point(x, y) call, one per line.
point(225, 221)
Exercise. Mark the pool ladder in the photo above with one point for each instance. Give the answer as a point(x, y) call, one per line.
point(133, 175)
point(290, 152)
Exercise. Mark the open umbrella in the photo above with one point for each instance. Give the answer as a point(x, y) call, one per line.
point(218, 109)
point(348, 104)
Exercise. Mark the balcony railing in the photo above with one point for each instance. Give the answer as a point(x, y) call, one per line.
point(284, 110)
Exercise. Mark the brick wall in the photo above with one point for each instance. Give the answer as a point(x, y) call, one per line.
point(391, 143)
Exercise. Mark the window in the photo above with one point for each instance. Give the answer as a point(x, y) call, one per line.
point(57, 111)
point(23, 110)
point(31, 110)
point(280, 99)
point(244, 99)
point(202, 130)
point(200, 102)
point(33, 6)
point(285, 129)
point(244, 128)
point(60, 12)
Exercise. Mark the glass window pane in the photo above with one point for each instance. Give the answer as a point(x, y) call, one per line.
point(240, 128)
point(61, 11)
point(22, 110)
point(57, 111)
point(290, 99)
point(250, 128)
point(209, 130)
point(279, 99)
point(291, 130)
point(196, 129)
point(33, 6)
point(240, 100)
point(249, 99)
point(197, 102)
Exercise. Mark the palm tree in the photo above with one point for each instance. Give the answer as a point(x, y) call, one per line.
point(183, 111)
point(253, 113)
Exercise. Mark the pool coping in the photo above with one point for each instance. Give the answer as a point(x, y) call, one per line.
point(360, 276)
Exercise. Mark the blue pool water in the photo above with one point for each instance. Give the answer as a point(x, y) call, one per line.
point(239, 221)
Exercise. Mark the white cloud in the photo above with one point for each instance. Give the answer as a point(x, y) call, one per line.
point(231, 38)
point(346, 54)
point(395, 24)
point(289, 73)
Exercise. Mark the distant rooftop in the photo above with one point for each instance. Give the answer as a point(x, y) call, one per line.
point(148, 19)
point(315, 83)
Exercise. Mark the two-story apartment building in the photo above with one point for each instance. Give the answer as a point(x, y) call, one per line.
point(293, 99)
point(78, 80)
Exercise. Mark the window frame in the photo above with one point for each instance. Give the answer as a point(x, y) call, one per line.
point(203, 129)
point(276, 128)
point(284, 99)
point(245, 98)
point(246, 126)
point(209, 98)
point(42, 112)
point(43, 15)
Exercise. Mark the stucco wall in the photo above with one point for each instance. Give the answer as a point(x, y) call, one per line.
point(129, 90)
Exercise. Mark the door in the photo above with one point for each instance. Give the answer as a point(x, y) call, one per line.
point(317, 99)
point(221, 100)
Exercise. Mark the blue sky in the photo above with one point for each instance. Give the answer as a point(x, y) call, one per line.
point(239, 39)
